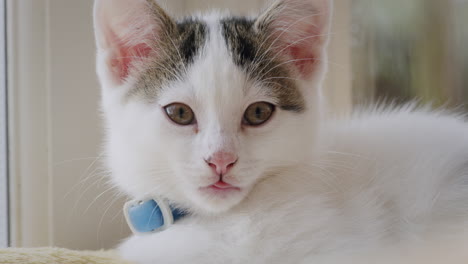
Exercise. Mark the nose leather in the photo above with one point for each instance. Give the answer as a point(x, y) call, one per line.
point(221, 162)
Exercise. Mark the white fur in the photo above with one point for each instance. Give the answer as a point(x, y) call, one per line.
point(313, 189)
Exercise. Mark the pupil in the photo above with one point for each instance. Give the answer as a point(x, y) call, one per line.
point(181, 112)
point(258, 112)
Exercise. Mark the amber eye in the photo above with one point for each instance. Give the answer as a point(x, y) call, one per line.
point(180, 113)
point(258, 113)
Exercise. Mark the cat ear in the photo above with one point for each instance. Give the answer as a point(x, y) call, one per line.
point(128, 34)
point(298, 31)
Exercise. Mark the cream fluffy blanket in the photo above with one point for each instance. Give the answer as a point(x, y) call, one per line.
point(434, 255)
point(57, 256)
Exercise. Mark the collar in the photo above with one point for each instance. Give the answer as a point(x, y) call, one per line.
point(150, 215)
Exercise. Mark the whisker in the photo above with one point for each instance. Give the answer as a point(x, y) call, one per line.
point(82, 174)
point(98, 196)
point(104, 214)
point(73, 160)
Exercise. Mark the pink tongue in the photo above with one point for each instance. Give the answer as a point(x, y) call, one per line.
point(223, 185)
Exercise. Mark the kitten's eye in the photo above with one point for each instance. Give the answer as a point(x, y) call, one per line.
point(258, 113)
point(180, 113)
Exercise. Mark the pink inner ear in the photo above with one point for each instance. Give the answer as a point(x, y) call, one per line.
point(304, 59)
point(300, 41)
point(300, 27)
point(126, 57)
point(303, 49)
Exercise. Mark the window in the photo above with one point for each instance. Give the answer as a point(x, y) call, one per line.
point(4, 236)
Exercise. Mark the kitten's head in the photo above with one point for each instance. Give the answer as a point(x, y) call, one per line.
point(201, 109)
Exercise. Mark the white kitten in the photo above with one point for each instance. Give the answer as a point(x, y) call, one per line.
point(223, 117)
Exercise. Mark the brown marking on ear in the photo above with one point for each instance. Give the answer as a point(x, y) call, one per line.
point(141, 42)
point(178, 48)
point(130, 32)
point(284, 44)
point(249, 49)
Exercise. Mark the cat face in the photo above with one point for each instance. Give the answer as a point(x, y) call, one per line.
point(200, 110)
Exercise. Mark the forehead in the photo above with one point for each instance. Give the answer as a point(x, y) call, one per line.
point(226, 56)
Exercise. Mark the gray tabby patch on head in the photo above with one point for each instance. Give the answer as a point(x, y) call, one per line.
point(178, 45)
point(250, 49)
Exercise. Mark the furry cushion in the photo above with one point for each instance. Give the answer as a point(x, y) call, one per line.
point(49, 255)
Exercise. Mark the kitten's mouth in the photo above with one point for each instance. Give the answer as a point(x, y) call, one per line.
point(220, 188)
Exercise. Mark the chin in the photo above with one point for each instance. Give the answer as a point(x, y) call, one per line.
point(214, 201)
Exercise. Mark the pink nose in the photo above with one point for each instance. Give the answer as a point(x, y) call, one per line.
point(221, 162)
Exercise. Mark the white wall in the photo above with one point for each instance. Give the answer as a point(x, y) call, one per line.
point(56, 127)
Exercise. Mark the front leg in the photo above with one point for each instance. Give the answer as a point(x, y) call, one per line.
point(178, 244)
